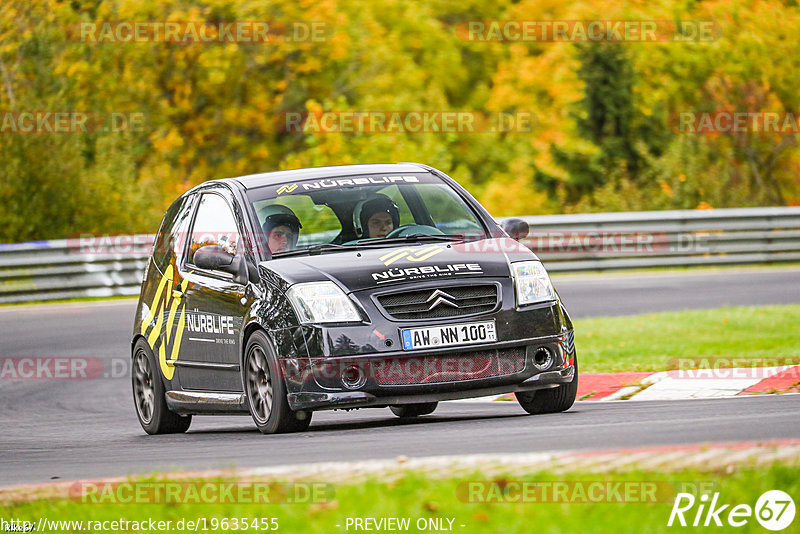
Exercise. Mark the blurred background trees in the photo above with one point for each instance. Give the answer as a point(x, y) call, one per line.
point(601, 140)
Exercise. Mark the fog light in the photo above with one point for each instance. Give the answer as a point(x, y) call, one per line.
point(543, 358)
point(353, 377)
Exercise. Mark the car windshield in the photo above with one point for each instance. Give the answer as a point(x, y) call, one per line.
point(341, 213)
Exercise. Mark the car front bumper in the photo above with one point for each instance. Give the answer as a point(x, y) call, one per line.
point(418, 378)
point(315, 400)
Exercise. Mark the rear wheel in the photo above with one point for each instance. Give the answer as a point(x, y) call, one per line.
point(552, 400)
point(266, 391)
point(414, 410)
point(148, 395)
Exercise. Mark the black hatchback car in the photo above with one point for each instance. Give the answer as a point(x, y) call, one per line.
point(357, 286)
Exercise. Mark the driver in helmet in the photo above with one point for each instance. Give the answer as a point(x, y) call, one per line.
point(281, 228)
point(376, 217)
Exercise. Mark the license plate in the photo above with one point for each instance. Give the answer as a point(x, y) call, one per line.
point(448, 335)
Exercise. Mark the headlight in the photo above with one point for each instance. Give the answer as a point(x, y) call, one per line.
point(531, 282)
point(322, 302)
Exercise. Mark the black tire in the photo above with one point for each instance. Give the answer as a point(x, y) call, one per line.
point(414, 410)
point(265, 390)
point(148, 395)
point(553, 400)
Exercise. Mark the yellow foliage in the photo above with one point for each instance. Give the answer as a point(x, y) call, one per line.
point(505, 196)
point(211, 110)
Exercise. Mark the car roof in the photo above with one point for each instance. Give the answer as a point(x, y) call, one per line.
point(253, 181)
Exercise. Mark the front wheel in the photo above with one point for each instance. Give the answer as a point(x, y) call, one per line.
point(266, 391)
point(553, 400)
point(148, 395)
point(414, 410)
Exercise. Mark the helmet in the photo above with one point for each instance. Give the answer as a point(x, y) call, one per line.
point(279, 215)
point(367, 208)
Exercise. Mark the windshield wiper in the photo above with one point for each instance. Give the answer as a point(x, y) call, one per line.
point(313, 250)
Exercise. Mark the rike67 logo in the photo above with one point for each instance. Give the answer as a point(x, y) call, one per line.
point(774, 510)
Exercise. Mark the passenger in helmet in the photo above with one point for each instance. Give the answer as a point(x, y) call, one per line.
point(376, 217)
point(281, 228)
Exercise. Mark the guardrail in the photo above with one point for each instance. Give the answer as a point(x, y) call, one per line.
point(63, 268)
point(58, 269)
point(681, 238)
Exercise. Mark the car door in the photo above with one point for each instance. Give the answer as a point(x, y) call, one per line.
point(159, 317)
point(215, 303)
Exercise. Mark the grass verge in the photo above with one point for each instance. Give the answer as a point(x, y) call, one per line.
point(652, 342)
point(431, 500)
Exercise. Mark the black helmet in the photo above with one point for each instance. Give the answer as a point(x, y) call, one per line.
point(367, 208)
point(279, 215)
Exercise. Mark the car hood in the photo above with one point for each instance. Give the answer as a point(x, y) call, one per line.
point(378, 267)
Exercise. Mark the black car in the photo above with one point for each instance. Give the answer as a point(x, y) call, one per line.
point(357, 286)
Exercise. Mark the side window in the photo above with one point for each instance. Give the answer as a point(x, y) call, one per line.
point(171, 237)
point(214, 224)
point(320, 224)
point(448, 211)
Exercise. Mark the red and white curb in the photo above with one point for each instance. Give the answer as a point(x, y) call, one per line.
point(707, 383)
point(682, 384)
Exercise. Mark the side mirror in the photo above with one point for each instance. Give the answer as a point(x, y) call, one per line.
point(242, 269)
point(516, 228)
point(216, 258)
point(213, 258)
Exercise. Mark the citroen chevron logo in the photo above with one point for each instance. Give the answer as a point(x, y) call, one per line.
point(411, 254)
point(287, 189)
point(441, 298)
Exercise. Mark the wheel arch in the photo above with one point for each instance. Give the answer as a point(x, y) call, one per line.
point(251, 328)
point(135, 340)
point(164, 380)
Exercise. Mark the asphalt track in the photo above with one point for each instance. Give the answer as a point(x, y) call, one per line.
point(71, 429)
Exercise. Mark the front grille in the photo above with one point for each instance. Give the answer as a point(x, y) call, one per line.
point(437, 303)
point(450, 367)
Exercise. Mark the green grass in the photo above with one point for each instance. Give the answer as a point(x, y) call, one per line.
point(416, 495)
point(649, 342)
